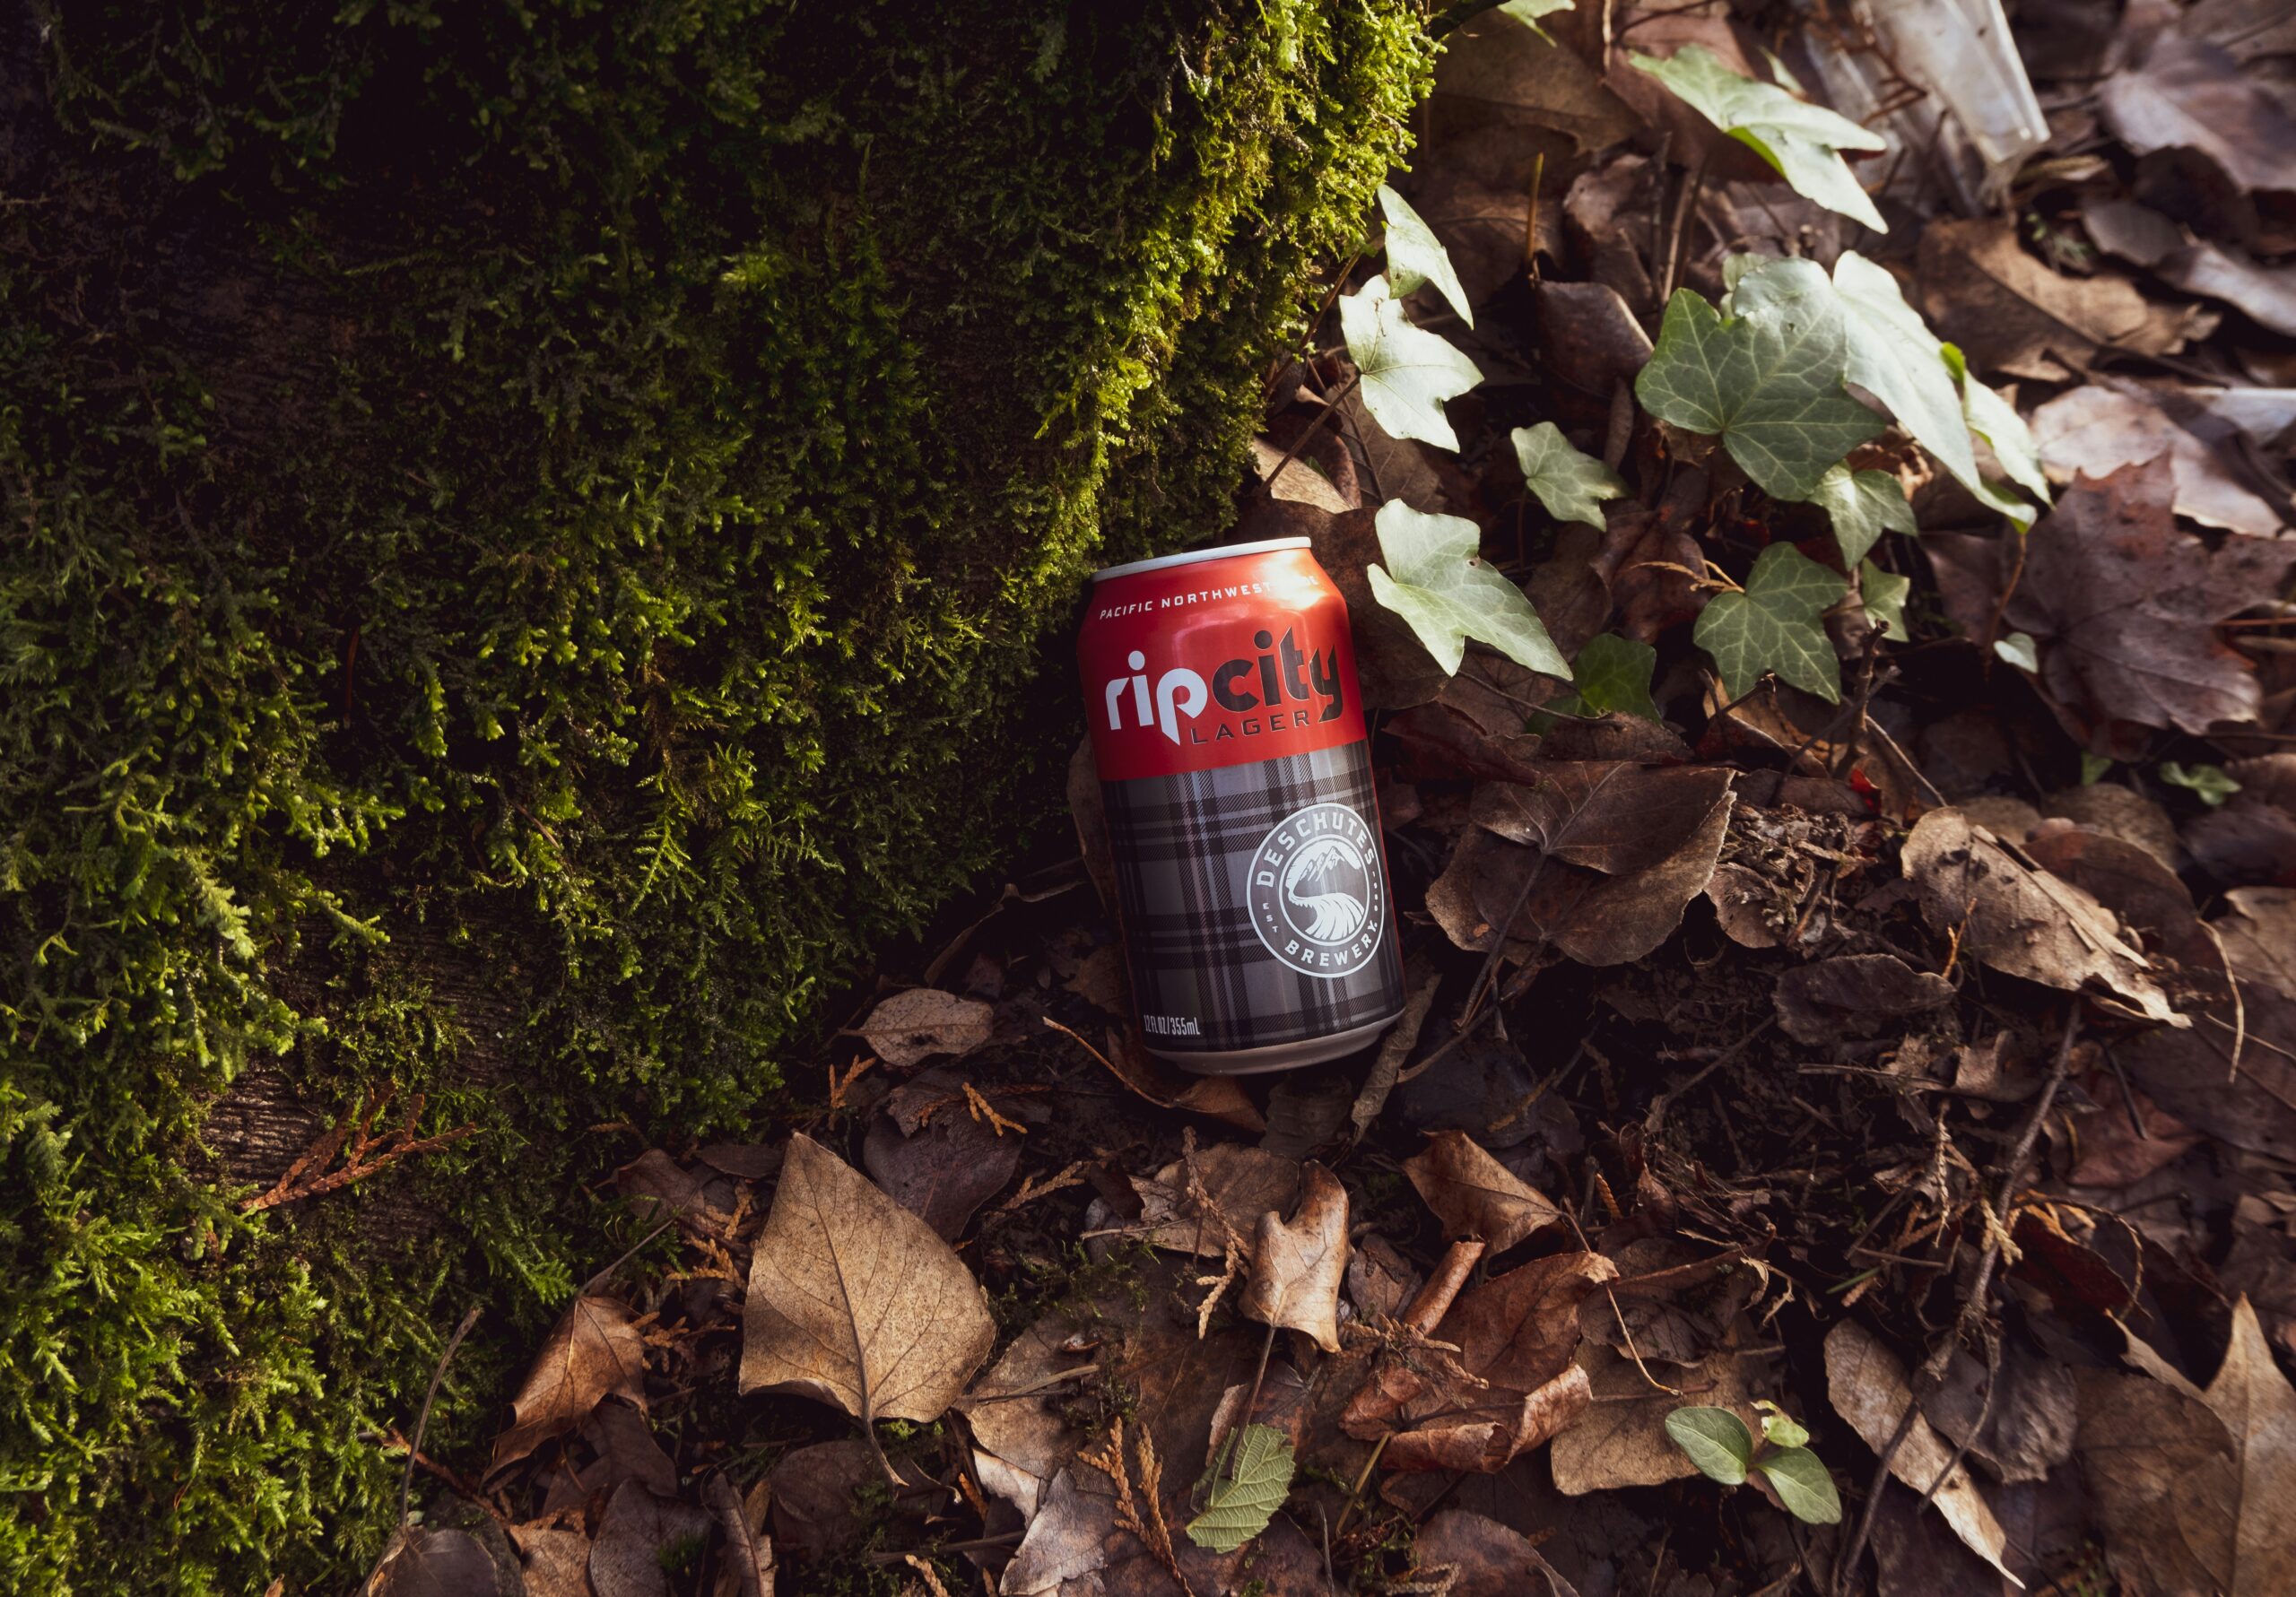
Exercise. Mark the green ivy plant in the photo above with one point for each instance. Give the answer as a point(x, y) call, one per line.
point(1719, 1444)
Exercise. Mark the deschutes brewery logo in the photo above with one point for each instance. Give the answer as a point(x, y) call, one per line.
point(1317, 900)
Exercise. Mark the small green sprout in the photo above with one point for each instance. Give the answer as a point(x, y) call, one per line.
point(1719, 1444)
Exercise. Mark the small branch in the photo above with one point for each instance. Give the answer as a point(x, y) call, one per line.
point(422, 1418)
point(363, 1153)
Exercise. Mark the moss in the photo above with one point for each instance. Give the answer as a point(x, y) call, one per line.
point(528, 532)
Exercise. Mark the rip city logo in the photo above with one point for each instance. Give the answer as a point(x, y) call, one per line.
point(1259, 694)
point(1315, 895)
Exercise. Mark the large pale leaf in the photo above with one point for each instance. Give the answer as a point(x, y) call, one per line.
point(1864, 505)
point(1802, 141)
point(1407, 372)
point(855, 1301)
point(1250, 1480)
point(1570, 483)
point(1773, 626)
point(1297, 1268)
point(1767, 381)
point(1415, 255)
point(1993, 419)
point(1435, 581)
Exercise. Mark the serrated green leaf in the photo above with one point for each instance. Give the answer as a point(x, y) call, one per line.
point(1996, 421)
point(1773, 626)
point(2210, 782)
point(1717, 1441)
point(1883, 597)
point(1246, 1495)
point(1614, 673)
point(1779, 1428)
point(1802, 141)
point(1803, 1484)
point(1768, 381)
point(1864, 505)
point(1407, 372)
point(2019, 650)
point(1570, 484)
point(1435, 581)
point(1529, 11)
point(1415, 255)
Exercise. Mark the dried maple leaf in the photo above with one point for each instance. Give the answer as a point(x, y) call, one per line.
point(1475, 1196)
point(2125, 607)
point(595, 1351)
point(855, 1301)
point(1297, 1267)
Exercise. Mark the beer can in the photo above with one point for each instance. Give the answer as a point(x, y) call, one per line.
point(1236, 771)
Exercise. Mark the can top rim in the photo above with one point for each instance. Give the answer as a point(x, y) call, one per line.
point(1224, 551)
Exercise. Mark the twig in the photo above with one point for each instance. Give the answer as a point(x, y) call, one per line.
point(1932, 1373)
point(422, 1416)
point(363, 1153)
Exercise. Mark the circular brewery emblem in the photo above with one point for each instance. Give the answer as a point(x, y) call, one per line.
point(1317, 899)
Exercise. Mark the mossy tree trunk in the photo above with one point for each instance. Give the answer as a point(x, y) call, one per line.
point(527, 534)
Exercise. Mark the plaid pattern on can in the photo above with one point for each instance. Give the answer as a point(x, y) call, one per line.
point(1255, 901)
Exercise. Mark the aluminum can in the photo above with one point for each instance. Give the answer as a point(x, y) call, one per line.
point(1236, 772)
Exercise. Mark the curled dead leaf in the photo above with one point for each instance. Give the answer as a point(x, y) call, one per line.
point(594, 1352)
point(1297, 1266)
point(1475, 1196)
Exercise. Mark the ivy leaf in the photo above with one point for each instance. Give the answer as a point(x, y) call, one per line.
point(1864, 505)
point(1246, 1492)
point(1773, 626)
point(1570, 484)
point(1416, 255)
point(2019, 650)
point(1440, 585)
point(1529, 11)
point(1767, 380)
point(1802, 141)
point(1883, 597)
point(1803, 1484)
point(1611, 674)
point(1896, 358)
point(1996, 421)
point(1717, 1441)
point(2210, 782)
point(1407, 372)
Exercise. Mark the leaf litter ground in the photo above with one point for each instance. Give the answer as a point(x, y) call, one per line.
point(1843, 1134)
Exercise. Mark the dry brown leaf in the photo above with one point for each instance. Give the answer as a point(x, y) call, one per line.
point(1868, 1388)
point(946, 1168)
point(2257, 1408)
point(2019, 919)
point(634, 1531)
point(2259, 935)
point(1853, 995)
point(1016, 1408)
point(1622, 1441)
point(1475, 1196)
point(594, 1352)
point(1242, 1184)
point(747, 1566)
point(1300, 483)
point(2144, 235)
point(2251, 837)
point(855, 1301)
point(2008, 312)
point(1484, 1557)
point(2191, 94)
point(2160, 1467)
point(552, 1562)
point(422, 1562)
point(1066, 1539)
point(910, 1028)
point(2092, 431)
point(1297, 1267)
point(1491, 1437)
point(1496, 77)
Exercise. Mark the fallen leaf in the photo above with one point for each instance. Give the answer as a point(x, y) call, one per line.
point(2189, 1072)
point(2019, 919)
point(1633, 565)
point(1297, 479)
point(1772, 626)
point(2143, 236)
point(1436, 579)
point(1065, 1540)
point(1490, 1437)
point(1379, 1280)
point(1484, 1559)
point(2257, 1408)
point(627, 1451)
point(818, 1497)
point(1623, 1440)
point(1767, 380)
point(1570, 484)
point(2159, 1464)
point(1297, 1266)
point(1867, 1386)
point(1218, 1097)
point(1494, 73)
point(1249, 1480)
point(1853, 995)
point(553, 1563)
point(424, 1562)
point(2251, 838)
point(1613, 853)
point(747, 1570)
point(2115, 1154)
point(910, 1027)
point(1241, 1184)
point(594, 1352)
point(2029, 1425)
point(2093, 431)
point(2008, 312)
point(2188, 93)
point(1588, 336)
point(1015, 1408)
point(1406, 372)
point(946, 1169)
point(855, 1301)
point(637, 1536)
point(2259, 935)
point(1475, 1196)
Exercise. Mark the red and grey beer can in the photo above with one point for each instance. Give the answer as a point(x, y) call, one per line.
point(1236, 772)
